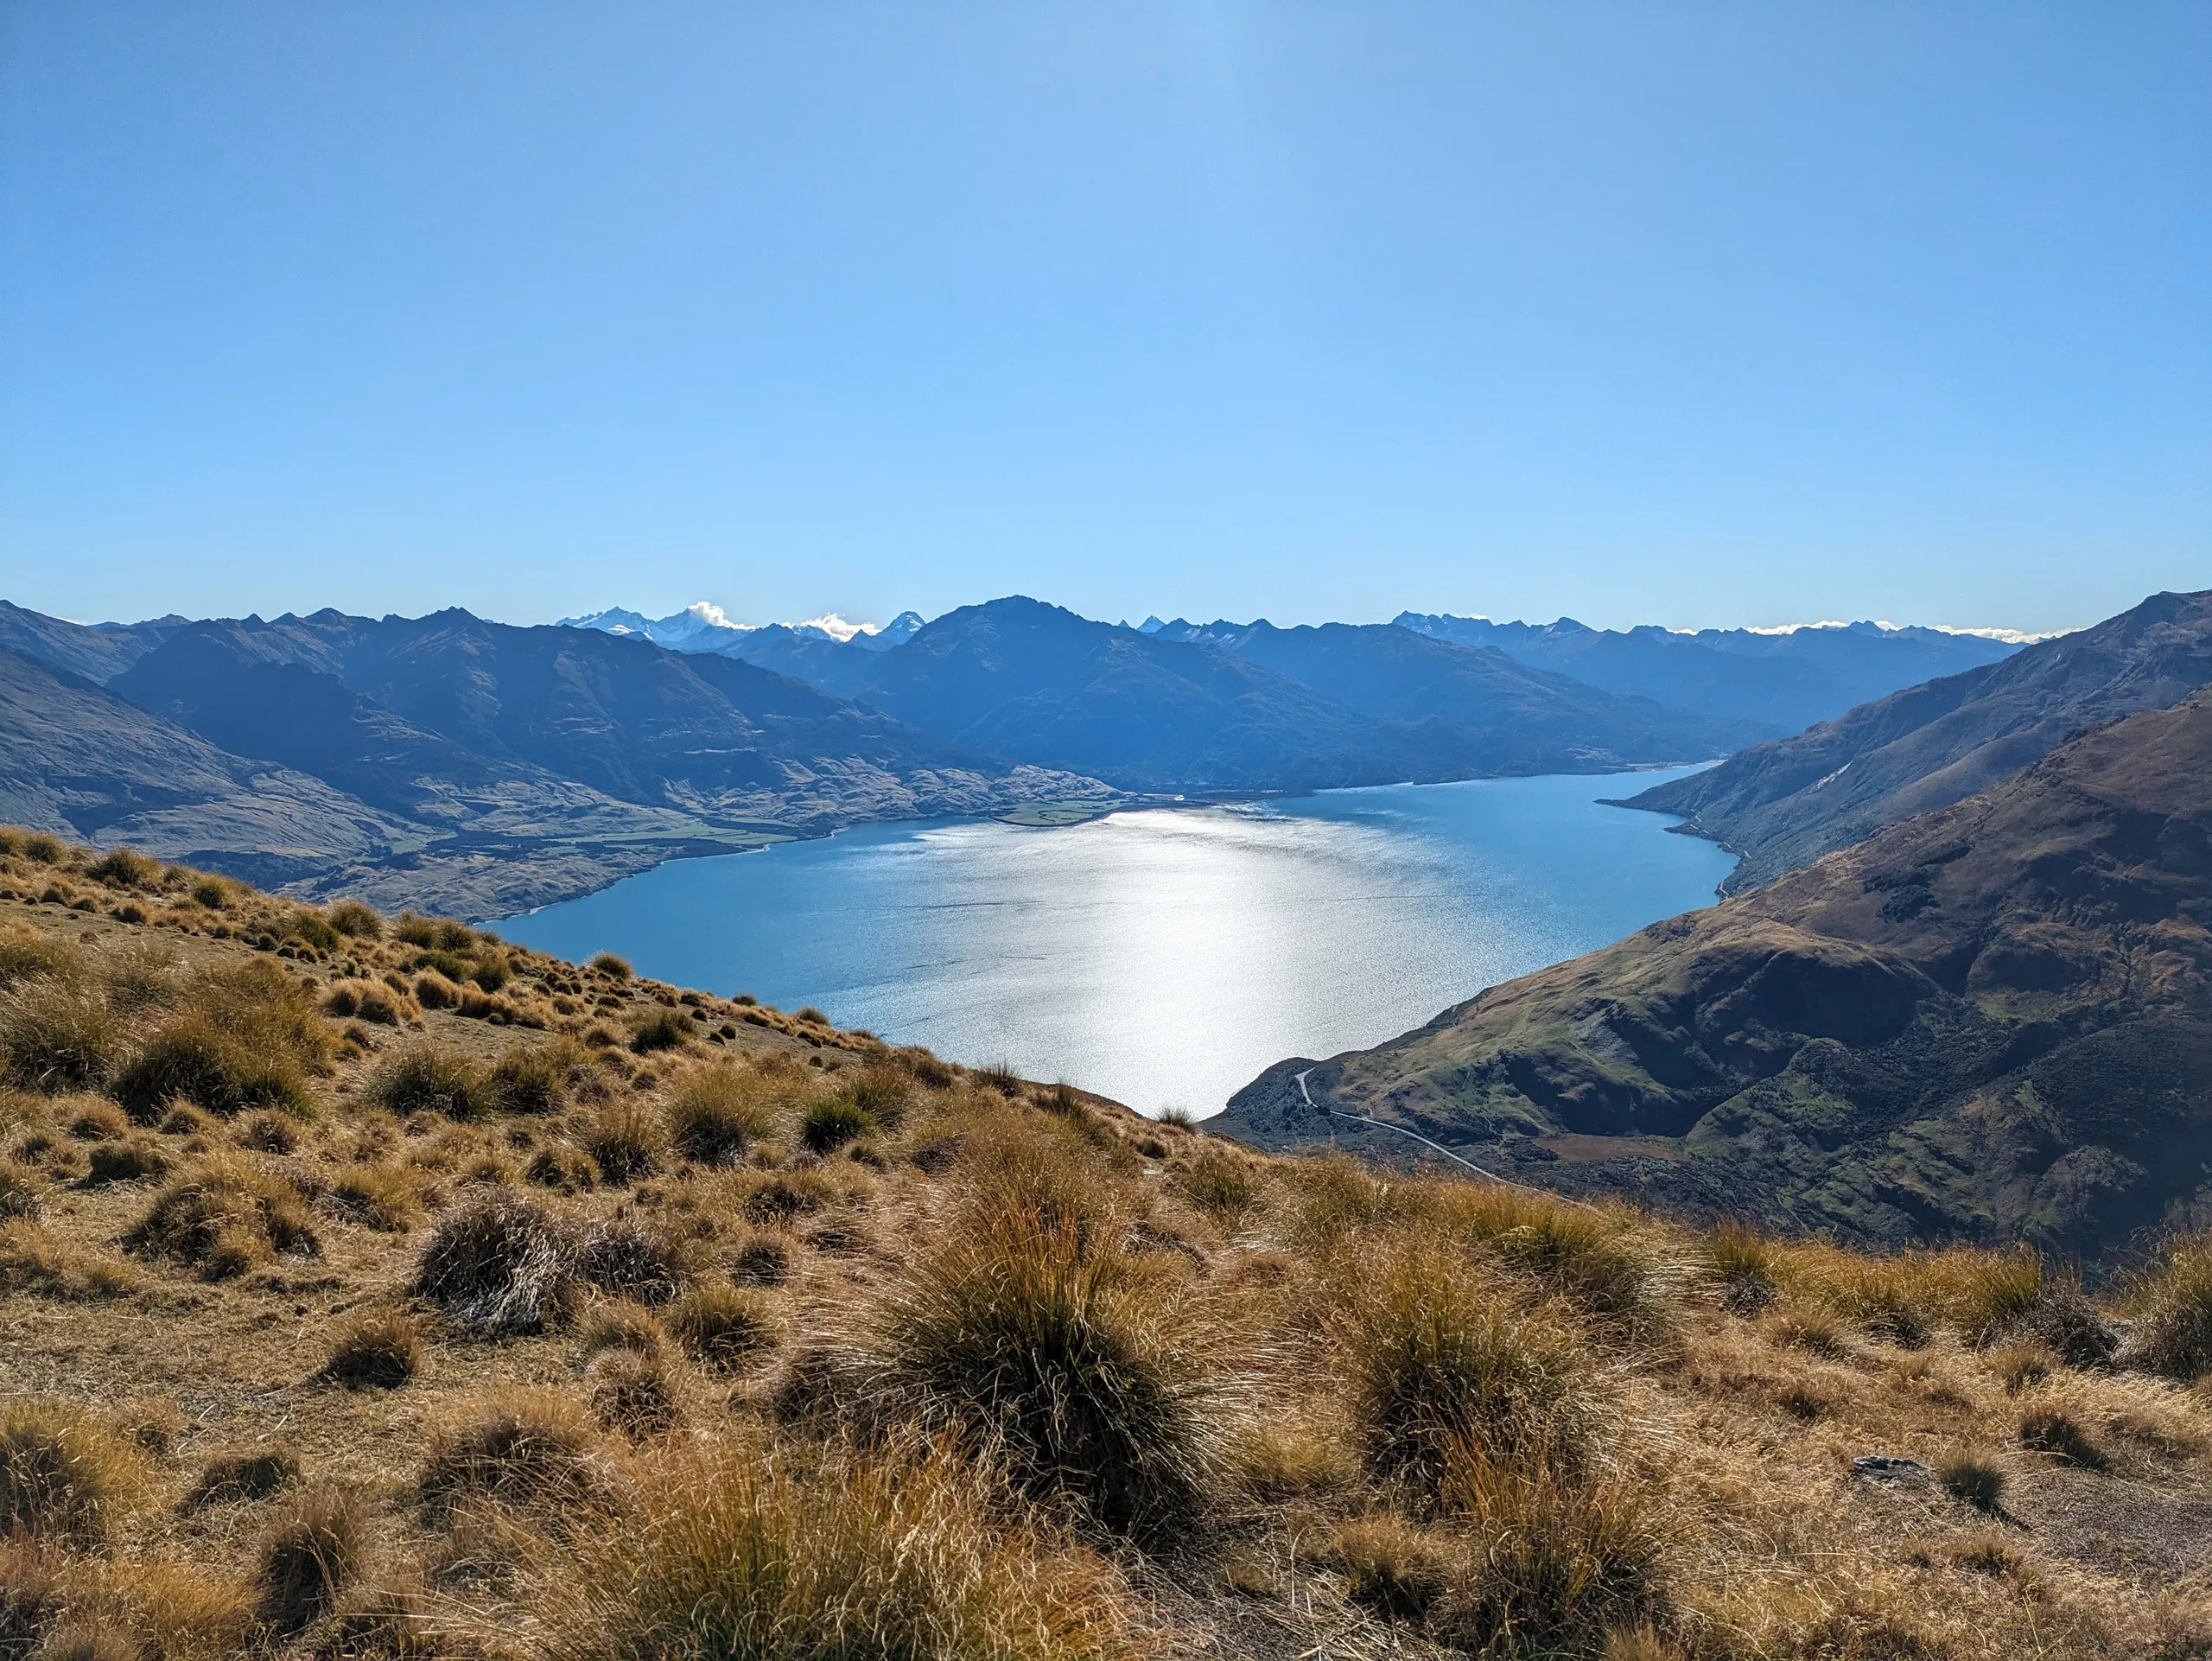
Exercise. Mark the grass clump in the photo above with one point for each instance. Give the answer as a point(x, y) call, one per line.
point(62, 1471)
point(500, 1262)
point(529, 1080)
point(2058, 1434)
point(625, 1141)
point(223, 1218)
point(23, 1192)
point(370, 1001)
point(1442, 1360)
point(614, 968)
point(633, 1393)
point(58, 1033)
point(138, 1160)
point(659, 1029)
point(724, 1327)
point(715, 1114)
point(831, 1123)
point(318, 1546)
point(379, 1197)
point(254, 1474)
point(2171, 1300)
point(527, 1447)
point(355, 920)
point(626, 1261)
point(380, 1351)
point(1221, 1183)
point(430, 1078)
point(1974, 1481)
point(35, 1259)
point(739, 1556)
point(194, 1062)
point(1032, 1328)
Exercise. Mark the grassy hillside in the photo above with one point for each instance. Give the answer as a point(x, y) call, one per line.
point(372, 1288)
point(1989, 1022)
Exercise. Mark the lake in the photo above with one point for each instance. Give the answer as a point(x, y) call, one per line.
point(1162, 957)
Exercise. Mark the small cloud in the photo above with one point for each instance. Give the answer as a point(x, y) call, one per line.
point(837, 628)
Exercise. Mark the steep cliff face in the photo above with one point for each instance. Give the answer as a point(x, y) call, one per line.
point(1994, 1019)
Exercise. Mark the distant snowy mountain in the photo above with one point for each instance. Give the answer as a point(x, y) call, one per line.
point(703, 626)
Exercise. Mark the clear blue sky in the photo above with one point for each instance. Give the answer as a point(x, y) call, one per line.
point(1686, 313)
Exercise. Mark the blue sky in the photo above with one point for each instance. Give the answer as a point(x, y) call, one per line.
point(1684, 314)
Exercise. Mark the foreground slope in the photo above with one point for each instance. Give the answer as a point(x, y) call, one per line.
point(376, 1288)
point(1783, 805)
point(1991, 1021)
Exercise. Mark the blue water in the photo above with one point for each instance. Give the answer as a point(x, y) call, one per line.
point(1163, 957)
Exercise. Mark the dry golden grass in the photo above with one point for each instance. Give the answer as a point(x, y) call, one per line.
point(1003, 1372)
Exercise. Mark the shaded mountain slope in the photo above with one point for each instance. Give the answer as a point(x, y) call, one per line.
point(1780, 682)
point(1261, 710)
point(77, 761)
point(1516, 718)
point(1783, 805)
point(1991, 1021)
point(99, 652)
point(500, 768)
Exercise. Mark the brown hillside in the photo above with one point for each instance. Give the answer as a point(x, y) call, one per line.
point(1991, 1022)
point(379, 1289)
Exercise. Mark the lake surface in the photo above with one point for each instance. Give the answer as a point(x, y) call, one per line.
point(1164, 957)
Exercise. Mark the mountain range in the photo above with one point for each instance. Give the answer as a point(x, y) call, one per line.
point(1988, 1019)
point(481, 768)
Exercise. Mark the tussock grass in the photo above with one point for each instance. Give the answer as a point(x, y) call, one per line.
point(23, 1192)
point(1549, 1560)
point(831, 1123)
point(316, 1547)
point(246, 1475)
point(716, 1112)
point(659, 1029)
point(1590, 1257)
point(137, 1159)
point(614, 968)
point(1220, 1182)
point(427, 1078)
point(1443, 1359)
point(63, 1473)
point(629, 1261)
point(355, 920)
point(382, 1350)
point(265, 1133)
point(524, 1448)
point(632, 1392)
point(381, 1197)
point(625, 1141)
point(724, 1327)
point(761, 1259)
point(370, 1001)
point(742, 1556)
point(36, 1260)
point(500, 1262)
point(531, 1078)
point(223, 1218)
point(58, 1033)
point(195, 1062)
point(2171, 1300)
point(1974, 1481)
point(1031, 1328)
